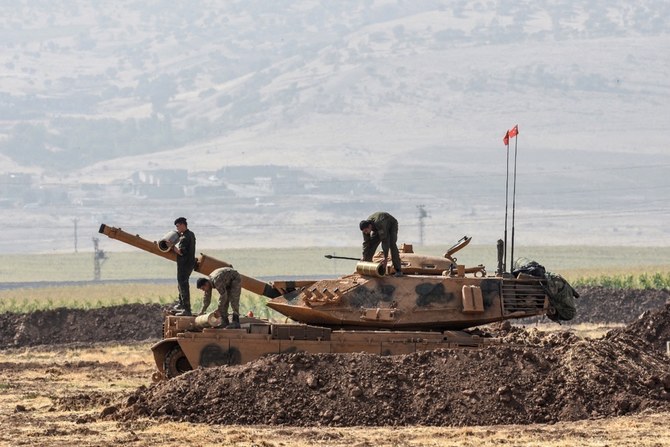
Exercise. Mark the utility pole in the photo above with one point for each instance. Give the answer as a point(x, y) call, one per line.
point(75, 220)
point(99, 257)
point(422, 215)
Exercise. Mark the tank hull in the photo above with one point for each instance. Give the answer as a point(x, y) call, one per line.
point(413, 302)
point(218, 347)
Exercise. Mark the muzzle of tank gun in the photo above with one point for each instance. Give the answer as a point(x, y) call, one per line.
point(212, 319)
point(376, 269)
point(168, 241)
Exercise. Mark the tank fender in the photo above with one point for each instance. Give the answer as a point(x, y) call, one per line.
point(160, 350)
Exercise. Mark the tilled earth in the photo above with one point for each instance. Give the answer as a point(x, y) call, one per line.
point(532, 377)
point(59, 326)
point(605, 305)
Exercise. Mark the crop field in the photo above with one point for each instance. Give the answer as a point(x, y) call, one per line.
point(91, 296)
point(571, 262)
point(67, 279)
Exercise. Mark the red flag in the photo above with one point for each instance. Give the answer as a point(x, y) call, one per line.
point(514, 131)
point(506, 138)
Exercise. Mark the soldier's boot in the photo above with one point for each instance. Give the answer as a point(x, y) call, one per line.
point(186, 311)
point(236, 322)
point(224, 323)
point(178, 305)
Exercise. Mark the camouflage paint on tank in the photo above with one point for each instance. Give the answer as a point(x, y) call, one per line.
point(292, 297)
point(370, 297)
point(490, 291)
point(215, 355)
point(431, 293)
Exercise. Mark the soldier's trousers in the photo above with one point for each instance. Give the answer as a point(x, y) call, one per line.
point(183, 274)
point(230, 296)
point(370, 247)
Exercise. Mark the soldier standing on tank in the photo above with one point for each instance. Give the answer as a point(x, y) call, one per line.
point(227, 281)
point(185, 249)
point(382, 228)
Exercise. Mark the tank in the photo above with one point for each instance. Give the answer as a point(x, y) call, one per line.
point(431, 306)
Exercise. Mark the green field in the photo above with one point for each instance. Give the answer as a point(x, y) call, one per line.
point(310, 262)
point(642, 267)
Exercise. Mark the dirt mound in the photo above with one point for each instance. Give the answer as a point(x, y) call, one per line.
point(534, 377)
point(653, 327)
point(608, 305)
point(127, 322)
point(600, 305)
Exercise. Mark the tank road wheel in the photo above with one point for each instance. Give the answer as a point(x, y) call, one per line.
point(176, 362)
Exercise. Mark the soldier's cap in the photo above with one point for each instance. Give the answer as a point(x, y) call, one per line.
point(364, 224)
point(180, 220)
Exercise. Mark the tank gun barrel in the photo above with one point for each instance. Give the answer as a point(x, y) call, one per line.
point(341, 257)
point(204, 264)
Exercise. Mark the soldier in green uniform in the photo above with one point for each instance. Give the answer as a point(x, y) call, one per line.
point(227, 281)
point(185, 249)
point(382, 228)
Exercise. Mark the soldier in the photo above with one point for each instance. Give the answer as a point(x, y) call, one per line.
point(227, 281)
point(185, 249)
point(382, 228)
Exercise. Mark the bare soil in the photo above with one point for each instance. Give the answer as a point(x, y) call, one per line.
point(62, 325)
point(605, 305)
point(534, 377)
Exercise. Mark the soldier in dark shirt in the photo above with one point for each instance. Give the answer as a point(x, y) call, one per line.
point(228, 282)
point(382, 228)
point(185, 249)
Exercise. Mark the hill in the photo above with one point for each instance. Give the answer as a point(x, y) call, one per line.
point(292, 121)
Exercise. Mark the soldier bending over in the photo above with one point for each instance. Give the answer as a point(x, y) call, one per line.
point(227, 281)
point(381, 228)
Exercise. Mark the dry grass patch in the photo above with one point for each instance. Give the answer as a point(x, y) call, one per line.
point(584, 330)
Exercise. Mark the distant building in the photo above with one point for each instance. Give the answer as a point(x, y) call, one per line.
point(160, 183)
point(272, 180)
point(211, 191)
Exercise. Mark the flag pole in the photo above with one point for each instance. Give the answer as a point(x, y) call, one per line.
point(516, 141)
point(504, 265)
